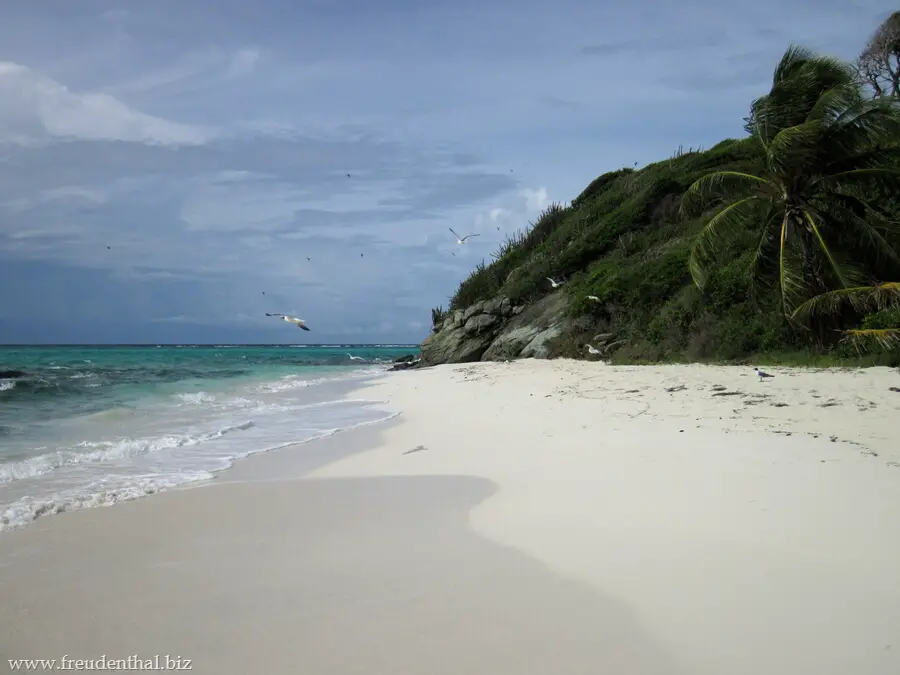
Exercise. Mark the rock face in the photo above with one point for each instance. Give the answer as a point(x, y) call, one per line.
point(406, 362)
point(494, 330)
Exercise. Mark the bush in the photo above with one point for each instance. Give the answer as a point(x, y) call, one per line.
point(624, 241)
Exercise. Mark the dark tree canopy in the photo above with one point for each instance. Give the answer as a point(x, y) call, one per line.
point(879, 63)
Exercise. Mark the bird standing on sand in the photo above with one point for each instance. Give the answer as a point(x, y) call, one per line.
point(462, 240)
point(593, 350)
point(300, 323)
point(554, 283)
point(760, 374)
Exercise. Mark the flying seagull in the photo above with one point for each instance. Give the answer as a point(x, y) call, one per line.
point(355, 358)
point(555, 284)
point(300, 323)
point(760, 374)
point(594, 298)
point(593, 350)
point(462, 240)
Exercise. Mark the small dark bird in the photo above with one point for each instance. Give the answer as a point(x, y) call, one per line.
point(264, 292)
point(360, 255)
point(309, 258)
point(348, 175)
point(108, 248)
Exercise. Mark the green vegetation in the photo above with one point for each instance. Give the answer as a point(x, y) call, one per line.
point(781, 246)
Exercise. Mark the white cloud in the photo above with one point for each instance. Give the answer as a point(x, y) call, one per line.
point(34, 106)
point(196, 70)
point(230, 205)
point(496, 214)
point(243, 62)
point(67, 193)
point(535, 200)
point(518, 208)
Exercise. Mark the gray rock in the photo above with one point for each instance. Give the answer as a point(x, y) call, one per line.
point(455, 346)
point(496, 329)
point(510, 343)
point(525, 326)
point(479, 322)
point(499, 306)
point(477, 308)
point(538, 347)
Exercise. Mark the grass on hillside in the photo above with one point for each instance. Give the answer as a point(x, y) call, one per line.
point(624, 241)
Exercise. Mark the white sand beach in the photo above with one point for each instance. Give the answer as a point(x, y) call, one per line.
point(531, 517)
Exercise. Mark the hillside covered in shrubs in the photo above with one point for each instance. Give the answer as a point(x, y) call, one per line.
point(780, 246)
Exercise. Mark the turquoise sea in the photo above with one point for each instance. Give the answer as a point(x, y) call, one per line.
point(94, 425)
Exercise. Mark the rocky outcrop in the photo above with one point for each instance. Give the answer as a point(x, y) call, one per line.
point(12, 373)
point(405, 362)
point(466, 334)
point(495, 330)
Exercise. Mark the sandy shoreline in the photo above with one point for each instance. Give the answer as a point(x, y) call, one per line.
point(530, 517)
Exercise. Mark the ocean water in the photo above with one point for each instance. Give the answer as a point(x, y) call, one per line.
point(92, 426)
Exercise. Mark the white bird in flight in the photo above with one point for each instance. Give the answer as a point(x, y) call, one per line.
point(355, 358)
point(594, 298)
point(593, 350)
point(555, 284)
point(760, 374)
point(300, 323)
point(462, 240)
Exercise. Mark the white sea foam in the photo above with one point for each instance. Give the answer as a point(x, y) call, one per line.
point(196, 398)
point(112, 456)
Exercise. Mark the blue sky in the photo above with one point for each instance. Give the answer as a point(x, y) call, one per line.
point(207, 144)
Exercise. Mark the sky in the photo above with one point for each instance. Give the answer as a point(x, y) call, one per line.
point(170, 170)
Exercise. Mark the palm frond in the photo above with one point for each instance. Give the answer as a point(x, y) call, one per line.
point(794, 57)
point(854, 212)
point(761, 267)
point(791, 282)
point(874, 158)
point(717, 230)
point(835, 103)
point(866, 126)
point(825, 248)
point(718, 184)
point(862, 338)
point(794, 145)
point(861, 179)
point(863, 300)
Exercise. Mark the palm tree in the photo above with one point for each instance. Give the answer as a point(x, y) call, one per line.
point(824, 147)
point(863, 300)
